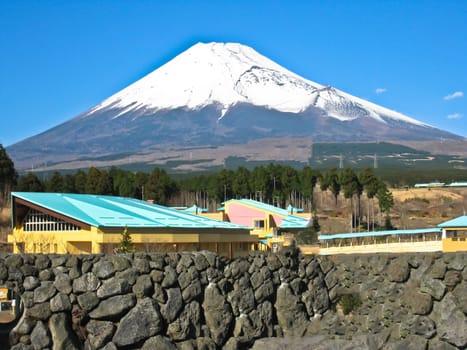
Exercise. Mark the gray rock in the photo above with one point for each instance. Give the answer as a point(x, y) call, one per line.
point(185, 262)
point(456, 261)
point(291, 313)
point(173, 306)
point(63, 283)
point(436, 344)
point(158, 343)
point(170, 277)
point(88, 301)
point(120, 262)
point(437, 270)
point(217, 313)
point(157, 261)
point(201, 263)
point(398, 270)
point(58, 260)
point(104, 269)
point(86, 283)
point(192, 292)
point(141, 322)
point(30, 282)
point(316, 298)
point(130, 275)
point(42, 262)
point(434, 287)
point(60, 302)
point(39, 336)
point(412, 342)
point(460, 294)
point(21, 346)
point(273, 263)
point(242, 298)
point(99, 333)
point(264, 292)
point(86, 266)
point(72, 261)
point(419, 303)
point(74, 272)
point(3, 272)
point(187, 276)
point(39, 311)
point(331, 279)
point(109, 346)
point(256, 279)
point(143, 287)
point(62, 334)
point(46, 275)
point(25, 326)
point(159, 294)
point(451, 321)
point(44, 292)
point(424, 326)
point(113, 286)
point(157, 276)
point(113, 307)
point(142, 265)
point(452, 278)
point(187, 325)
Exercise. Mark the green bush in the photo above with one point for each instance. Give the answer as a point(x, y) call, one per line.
point(350, 302)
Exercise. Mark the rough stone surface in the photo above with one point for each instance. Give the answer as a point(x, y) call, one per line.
point(62, 334)
point(113, 307)
point(99, 333)
point(39, 336)
point(141, 322)
point(202, 301)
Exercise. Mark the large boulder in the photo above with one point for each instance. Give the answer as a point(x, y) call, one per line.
point(62, 334)
point(141, 322)
point(113, 307)
point(217, 313)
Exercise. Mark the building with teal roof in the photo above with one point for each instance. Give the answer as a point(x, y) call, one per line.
point(449, 236)
point(270, 223)
point(83, 223)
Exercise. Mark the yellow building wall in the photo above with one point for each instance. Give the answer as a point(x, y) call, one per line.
point(402, 247)
point(455, 245)
point(94, 241)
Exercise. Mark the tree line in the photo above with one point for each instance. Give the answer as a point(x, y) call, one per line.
point(275, 184)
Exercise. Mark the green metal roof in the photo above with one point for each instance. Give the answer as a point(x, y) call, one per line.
point(110, 211)
point(378, 233)
point(288, 220)
point(461, 221)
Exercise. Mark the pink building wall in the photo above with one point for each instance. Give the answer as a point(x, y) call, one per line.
point(244, 215)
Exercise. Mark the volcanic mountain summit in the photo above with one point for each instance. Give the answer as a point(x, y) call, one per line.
point(215, 95)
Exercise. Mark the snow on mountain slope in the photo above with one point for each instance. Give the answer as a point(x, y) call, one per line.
point(227, 74)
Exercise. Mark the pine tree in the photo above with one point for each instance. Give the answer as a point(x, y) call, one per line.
point(126, 244)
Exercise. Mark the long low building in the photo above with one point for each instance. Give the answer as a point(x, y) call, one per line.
point(83, 223)
point(450, 236)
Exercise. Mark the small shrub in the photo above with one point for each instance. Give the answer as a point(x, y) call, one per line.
point(350, 302)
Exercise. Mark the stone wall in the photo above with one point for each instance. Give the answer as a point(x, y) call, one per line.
point(265, 301)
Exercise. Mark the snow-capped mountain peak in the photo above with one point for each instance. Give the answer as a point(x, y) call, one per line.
point(225, 74)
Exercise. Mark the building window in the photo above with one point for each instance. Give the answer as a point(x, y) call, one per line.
point(38, 221)
point(258, 224)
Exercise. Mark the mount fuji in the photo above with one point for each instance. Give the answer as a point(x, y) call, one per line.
point(208, 103)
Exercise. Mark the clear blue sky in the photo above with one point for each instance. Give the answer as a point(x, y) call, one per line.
point(60, 58)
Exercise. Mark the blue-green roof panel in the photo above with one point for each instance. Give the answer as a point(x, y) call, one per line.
point(110, 211)
point(460, 221)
